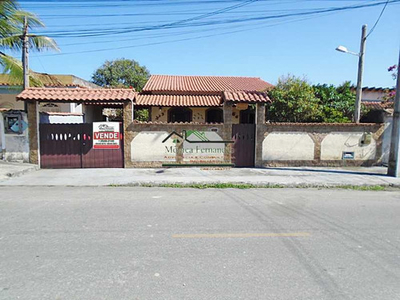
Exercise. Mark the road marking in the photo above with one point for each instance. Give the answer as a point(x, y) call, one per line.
point(240, 235)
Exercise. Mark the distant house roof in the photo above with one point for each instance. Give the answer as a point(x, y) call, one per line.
point(76, 95)
point(50, 80)
point(205, 84)
point(178, 100)
point(378, 105)
point(377, 89)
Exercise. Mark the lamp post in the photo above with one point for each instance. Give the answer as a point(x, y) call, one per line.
point(357, 111)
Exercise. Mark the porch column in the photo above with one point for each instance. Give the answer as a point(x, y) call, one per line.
point(33, 131)
point(128, 132)
point(259, 136)
point(227, 130)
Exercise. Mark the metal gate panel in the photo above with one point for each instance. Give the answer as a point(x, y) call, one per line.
point(100, 158)
point(60, 146)
point(243, 154)
point(66, 146)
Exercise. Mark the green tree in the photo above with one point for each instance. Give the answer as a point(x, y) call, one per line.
point(121, 73)
point(293, 100)
point(336, 103)
point(11, 31)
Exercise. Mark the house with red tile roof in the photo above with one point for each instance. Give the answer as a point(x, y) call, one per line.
point(200, 98)
point(193, 121)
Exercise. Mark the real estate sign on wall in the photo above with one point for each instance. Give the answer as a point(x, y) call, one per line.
point(106, 135)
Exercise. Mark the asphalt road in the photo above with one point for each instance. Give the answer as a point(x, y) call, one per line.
point(157, 243)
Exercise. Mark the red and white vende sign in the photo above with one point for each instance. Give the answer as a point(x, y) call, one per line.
point(106, 135)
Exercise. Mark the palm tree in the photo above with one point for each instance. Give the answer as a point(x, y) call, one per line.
point(12, 26)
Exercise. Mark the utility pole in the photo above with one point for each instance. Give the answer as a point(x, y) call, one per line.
point(25, 53)
point(357, 111)
point(394, 156)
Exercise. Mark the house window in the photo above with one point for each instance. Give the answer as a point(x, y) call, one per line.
point(13, 123)
point(214, 115)
point(179, 114)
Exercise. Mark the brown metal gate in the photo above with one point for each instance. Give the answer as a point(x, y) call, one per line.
point(68, 146)
point(243, 136)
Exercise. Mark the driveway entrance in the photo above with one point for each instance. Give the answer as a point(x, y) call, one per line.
point(67, 146)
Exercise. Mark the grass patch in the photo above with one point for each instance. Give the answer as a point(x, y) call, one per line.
point(363, 187)
point(243, 186)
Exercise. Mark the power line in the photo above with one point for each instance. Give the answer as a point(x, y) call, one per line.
point(377, 21)
point(189, 23)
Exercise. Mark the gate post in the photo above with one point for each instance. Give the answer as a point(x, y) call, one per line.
point(227, 131)
point(259, 135)
point(128, 132)
point(33, 132)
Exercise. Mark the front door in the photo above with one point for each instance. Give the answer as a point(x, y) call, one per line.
point(243, 136)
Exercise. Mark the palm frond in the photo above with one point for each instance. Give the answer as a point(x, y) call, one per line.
point(13, 67)
point(33, 20)
point(11, 42)
point(40, 43)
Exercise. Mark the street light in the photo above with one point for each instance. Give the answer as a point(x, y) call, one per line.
point(360, 71)
point(345, 50)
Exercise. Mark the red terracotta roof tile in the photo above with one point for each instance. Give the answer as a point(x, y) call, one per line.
point(169, 83)
point(65, 94)
point(377, 105)
point(178, 100)
point(240, 96)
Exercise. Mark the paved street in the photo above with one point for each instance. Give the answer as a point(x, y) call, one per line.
point(155, 243)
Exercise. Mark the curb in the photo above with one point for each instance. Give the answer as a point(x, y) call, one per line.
point(22, 172)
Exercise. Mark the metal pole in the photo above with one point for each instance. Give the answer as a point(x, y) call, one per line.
point(357, 111)
point(25, 54)
point(394, 156)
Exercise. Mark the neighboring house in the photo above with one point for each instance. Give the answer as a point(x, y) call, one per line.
point(381, 111)
point(373, 98)
point(13, 125)
point(10, 88)
point(200, 99)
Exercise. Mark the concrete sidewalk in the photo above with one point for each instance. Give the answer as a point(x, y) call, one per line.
point(289, 177)
point(12, 169)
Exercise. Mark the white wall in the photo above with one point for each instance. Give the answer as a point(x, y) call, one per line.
point(148, 146)
point(335, 143)
point(288, 146)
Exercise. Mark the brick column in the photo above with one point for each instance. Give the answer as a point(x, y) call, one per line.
point(227, 131)
point(128, 132)
point(259, 135)
point(33, 125)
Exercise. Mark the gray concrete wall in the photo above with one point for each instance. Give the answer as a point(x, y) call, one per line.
point(387, 135)
point(16, 146)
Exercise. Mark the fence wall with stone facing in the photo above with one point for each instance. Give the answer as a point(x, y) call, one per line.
point(316, 144)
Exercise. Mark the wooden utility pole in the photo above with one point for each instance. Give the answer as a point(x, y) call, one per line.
point(357, 111)
point(394, 156)
point(25, 53)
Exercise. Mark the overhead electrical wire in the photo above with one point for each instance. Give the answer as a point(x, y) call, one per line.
point(189, 22)
point(288, 16)
point(379, 18)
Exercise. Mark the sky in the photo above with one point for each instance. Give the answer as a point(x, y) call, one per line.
point(264, 38)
